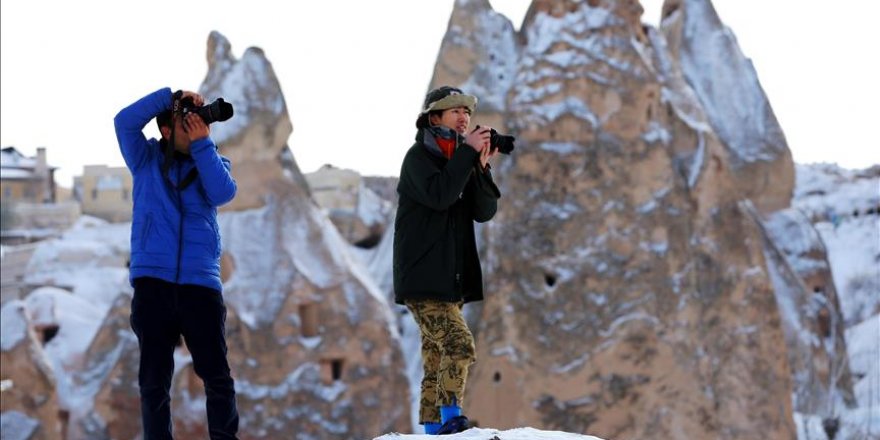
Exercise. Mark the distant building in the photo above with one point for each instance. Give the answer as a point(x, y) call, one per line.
point(105, 192)
point(26, 179)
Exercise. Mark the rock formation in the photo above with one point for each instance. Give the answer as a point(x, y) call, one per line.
point(727, 87)
point(360, 214)
point(629, 293)
point(479, 54)
point(316, 348)
point(255, 139)
point(811, 314)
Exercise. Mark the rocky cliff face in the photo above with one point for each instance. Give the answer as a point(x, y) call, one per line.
point(623, 260)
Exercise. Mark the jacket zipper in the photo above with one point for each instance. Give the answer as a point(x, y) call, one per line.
point(457, 251)
point(180, 231)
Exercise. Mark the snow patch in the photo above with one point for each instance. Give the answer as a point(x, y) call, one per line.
point(17, 426)
point(13, 324)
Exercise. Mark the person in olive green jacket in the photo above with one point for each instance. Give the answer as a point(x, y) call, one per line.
point(445, 186)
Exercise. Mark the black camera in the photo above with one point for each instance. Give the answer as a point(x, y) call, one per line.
point(501, 142)
point(219, 110)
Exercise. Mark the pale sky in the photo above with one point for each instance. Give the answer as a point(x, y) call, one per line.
point(354, 73)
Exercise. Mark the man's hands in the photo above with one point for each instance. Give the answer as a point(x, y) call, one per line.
point(194, 127)
point(197, 99)
point(486, 154)
point(479, 141)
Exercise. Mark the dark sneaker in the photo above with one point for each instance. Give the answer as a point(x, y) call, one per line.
point(454, 425)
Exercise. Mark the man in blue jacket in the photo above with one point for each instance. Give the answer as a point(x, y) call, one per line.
point(179, 181)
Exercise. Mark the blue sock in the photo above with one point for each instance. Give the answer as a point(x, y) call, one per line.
point(449, 411)
point(431, 428)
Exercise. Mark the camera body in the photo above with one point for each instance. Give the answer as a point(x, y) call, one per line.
point(219, 110)
point(501, 142)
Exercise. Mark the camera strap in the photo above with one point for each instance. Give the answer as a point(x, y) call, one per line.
point(166, 168)
point(169, 153)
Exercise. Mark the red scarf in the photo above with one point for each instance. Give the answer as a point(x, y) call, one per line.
point(447, 146)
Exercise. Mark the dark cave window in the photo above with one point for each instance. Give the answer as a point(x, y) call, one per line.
point(48, 332)
point(369, 242)
point(331, 370)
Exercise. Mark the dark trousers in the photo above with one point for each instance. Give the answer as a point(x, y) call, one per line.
point(162, 312)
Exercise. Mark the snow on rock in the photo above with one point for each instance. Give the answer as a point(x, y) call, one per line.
point(727, 87)
point(682, 99)
point(845, 207)
point(726, 83)
point(854, 254)
point(798, 239)
point(314, 331)
point(16, 426)
point(255, 139)
point(89, 260)
point(372, 209)
point(827, 192)
point(306, 245)
point(13, 324)
point(545, 86)
point(478, 33)
point(863, 341)
point(247, 84)
point(811, 313)
point(76, 320)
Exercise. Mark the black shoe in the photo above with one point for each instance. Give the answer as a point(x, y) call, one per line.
point(454, 425)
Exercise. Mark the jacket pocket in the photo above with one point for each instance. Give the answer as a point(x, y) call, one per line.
point(202, 236)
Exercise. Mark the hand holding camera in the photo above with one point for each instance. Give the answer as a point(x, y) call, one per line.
point(195, 98)
point(186, 102)
point(195, 127)
point(478, 139)
point(501, 143)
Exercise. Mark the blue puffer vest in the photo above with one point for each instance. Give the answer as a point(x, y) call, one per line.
point(174, 233)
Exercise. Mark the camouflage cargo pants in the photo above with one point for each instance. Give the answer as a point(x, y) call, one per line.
point(447, 352)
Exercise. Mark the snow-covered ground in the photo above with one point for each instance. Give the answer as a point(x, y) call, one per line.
point(494, 434)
